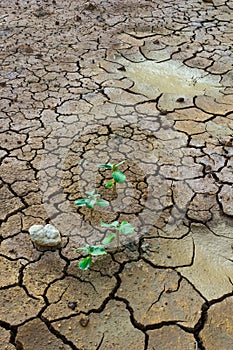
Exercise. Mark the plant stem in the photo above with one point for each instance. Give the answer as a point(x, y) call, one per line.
point(114, 186)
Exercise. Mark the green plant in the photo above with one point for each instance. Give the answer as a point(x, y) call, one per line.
point(91, 200)
point(91, 251)
point(117, 175)
point(124, 228)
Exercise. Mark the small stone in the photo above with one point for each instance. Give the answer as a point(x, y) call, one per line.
point(90, 7)
point(122, 69)
point(99, 19)
point(180, 99)
point(208, 168)
point(72, 305)
point(45, 236)
point(39, 55)
point(84, 321)
point(163, 112)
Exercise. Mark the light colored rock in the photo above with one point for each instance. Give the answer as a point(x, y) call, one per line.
point(45, 236)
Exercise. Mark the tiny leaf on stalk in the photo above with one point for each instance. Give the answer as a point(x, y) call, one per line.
point(109, 184)
point(118, 176)
point(90, 203)
point(97, 250)
point(126, 228)
point(92, 193)
point(80, 202)
point(109, 238)
point(85, 263)
point(83, 249)
point(91, 200)
point(112, 224)
point(106, 166)
point(102, 203)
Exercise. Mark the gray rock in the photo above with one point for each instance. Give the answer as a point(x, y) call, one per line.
point(45, 236)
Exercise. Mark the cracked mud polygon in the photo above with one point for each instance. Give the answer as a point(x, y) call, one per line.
point(89, 82)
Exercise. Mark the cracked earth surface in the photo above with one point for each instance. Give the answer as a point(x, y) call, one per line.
point(93, 82)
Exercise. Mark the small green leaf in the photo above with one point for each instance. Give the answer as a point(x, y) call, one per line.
point(118, 176)
point(90, 203)
point(85, 263)
point(112, 224)
point(106, 166)
point(83, 249)
point(109, 238)
point(102, 203)
point(109, 184)
point(126, 228)
point(80, 202)
point(97, 250)
point(92, 193)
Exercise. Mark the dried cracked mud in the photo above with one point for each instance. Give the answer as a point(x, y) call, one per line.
point(84, 83)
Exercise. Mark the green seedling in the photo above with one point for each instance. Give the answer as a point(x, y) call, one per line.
point(91, 200)
point(124, 228)
point(91, 251)
point(117, 175)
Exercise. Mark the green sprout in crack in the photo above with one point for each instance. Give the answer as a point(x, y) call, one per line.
point(91, 200)
point(117, 175)
point(124, 228)
point(91, 251)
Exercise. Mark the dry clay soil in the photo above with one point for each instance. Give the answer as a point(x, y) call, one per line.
point(84, 83)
